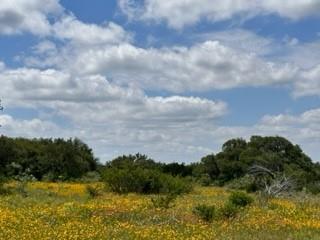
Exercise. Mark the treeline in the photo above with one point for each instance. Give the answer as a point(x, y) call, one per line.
point(45, 159)
point(232, 165)
point(59, 159)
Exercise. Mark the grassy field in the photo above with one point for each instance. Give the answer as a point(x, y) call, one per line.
point(65, 211)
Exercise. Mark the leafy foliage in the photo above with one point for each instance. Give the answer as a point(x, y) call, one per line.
point(57, 159)
point(229, 210)
point(275, 153)
point(205, 212)
point(133, 161)
point(313, 188)
point(177, 169)
point(146, 181)
point(163, 201)
point(240, 199)
point(234, 204)
point(247, 183)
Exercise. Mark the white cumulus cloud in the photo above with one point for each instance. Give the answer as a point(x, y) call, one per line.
point(205, 66)
point(70, 28)
point(28, 16)
point(180, 13)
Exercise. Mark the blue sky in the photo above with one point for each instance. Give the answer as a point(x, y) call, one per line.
point(172, 79)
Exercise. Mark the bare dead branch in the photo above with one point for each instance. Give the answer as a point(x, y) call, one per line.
point(257, 170)
point(274, 184)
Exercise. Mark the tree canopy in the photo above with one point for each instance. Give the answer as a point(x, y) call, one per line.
point(53, 159)
point(275, 153)
point(45, 158)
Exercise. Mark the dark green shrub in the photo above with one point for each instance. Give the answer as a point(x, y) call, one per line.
point(229, 210)
point(121, 180)
point(235, 202)
point(240, 199)
point(205, 212)
point(165, 201)
point(313, 188)
point(91, 177)
point(174, 185)
point(46, 158)
point(205, 180)
point(144, 181)
point(252, 187)
point(246, 183)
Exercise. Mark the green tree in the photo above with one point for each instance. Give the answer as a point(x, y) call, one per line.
point(133, 161)
point(273, 152)
point(46, 157)
point(210, 166)
point(177, 169)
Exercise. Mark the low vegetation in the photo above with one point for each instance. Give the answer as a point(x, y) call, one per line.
point(64, 211)
point(234, 204)
point(144, 181)
point(164, 201)
point(240, 199)
point(205, 212)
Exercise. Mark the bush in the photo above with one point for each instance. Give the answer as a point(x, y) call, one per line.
point(119, 180)
point(91, 177)
point(246, 183)
point(93, 191)
point(205, 212)
point(205, 180)
point(240, 199)
point(136, 180)
point(25, 177)
point(313, 188)
point(144, 181)
point(236, 201)
point(229, 210)
point(165, 201)
point(49, 177)
point(174, 185)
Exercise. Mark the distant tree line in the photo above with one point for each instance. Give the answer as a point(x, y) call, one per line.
point(59, 159)
point(234, 161)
